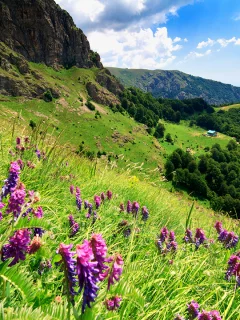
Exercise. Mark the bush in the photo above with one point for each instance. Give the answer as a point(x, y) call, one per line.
point(90, 105)
point(47, 96)
point(32, 124)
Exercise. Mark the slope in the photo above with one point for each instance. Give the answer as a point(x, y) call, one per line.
point(177, 85)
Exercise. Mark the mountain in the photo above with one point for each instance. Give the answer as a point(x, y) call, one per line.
point(42, 32)
point(177, 85)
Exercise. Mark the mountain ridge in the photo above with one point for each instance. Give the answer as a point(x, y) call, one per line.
point(175, 84)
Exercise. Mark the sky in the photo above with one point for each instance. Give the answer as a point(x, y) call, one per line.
point(199, 37)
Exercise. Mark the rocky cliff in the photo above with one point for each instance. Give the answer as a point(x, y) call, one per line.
point(42, 32)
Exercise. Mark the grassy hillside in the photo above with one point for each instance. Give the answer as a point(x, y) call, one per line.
point(177, 85)
point(153, 285)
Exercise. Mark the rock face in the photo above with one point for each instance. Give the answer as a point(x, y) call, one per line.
point(42, 32)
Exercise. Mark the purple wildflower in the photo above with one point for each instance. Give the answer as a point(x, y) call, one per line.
point(11, 182)
point(35, 245)
point(171, 236)
point(18, 140)
point(223, 235)
point(16, 200)
point(71, 189)
point(215, 315)
point(229, 239)
point(38, 154)
point(95, 217)
point(172, 245)
point(113, 303)
point(103, 197)
point(145, 213)
point(38, 213)
point(69, 265)
point(218, 227)
point(116, 270)
point(233, 266)
point(99, 249)
point(73, 225)
point(121, 207)
point(97, 201)
point(38, 231)
point(85, 204)
point(78, 199)
point(193, 310)
point(188, 236)
point(1, 206)
point(199, 237)
point(135, 208)
point(90, 207)
point(17, 247)
point(109, 194)
point(20, 163)
point(163, 234)
point(86, 271)
point(204, 315)
point(129, 206)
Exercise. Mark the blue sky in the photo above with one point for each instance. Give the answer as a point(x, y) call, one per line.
point(200, 37)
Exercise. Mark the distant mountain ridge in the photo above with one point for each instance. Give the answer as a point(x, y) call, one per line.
point(177, 85)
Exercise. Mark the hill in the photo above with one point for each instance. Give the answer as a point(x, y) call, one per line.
point(177, 85)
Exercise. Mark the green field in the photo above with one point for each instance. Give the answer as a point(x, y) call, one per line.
point(228, 107)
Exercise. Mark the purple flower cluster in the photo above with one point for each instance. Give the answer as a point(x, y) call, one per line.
point(113, 303)
point(199, 238)
point(194, 313)
point(166, 241)
point(17, 246)
point(69, 265)
point(2, 205)
point(89, 268)
point(234, 268)
point(16, 200)
point(228, 239)
point(134, 208)
point(12, 180)
point(38, 213)
point(78, 198)
point(73, 225)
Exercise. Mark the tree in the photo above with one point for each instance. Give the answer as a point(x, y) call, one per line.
point(168, 138)
point(169, 167)
point(159, 132)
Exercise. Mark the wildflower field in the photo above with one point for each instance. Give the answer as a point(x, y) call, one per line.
point(80, 240)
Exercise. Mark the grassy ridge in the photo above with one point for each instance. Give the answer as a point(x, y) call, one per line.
point(151, 288)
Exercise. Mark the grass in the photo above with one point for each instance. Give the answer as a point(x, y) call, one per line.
point(226, 108)
point(150, 287)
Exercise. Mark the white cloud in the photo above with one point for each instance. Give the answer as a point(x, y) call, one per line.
point(177, 39)
point(237, 17)
point(208, 43)
point(185, 40)
point(224, 42)
point(194, 54)
point(92, 15)
point(135, 49)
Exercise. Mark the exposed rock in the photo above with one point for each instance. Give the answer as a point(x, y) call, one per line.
point(100, 94)
point(42, 32)
point(105, 79)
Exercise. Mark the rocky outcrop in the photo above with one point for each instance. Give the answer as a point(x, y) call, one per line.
point(42, 32)
point(105, 79)
point(101, 95)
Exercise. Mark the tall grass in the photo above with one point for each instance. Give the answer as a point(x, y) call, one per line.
point(150, 286)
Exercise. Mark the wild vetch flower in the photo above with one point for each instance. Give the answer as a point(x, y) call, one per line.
point(16, 200)
point(12, 180)
point(121, 207)
point(86, 271)
point(171, 236)
point(135, 208)
point(233, 266)
point(30, 165)
point(215, 315)
point(231, 240)
point(188, 236)
point(218, 227)
point(17, 247)
point(1, 206)
point(97, 201)
point(204, 315)
point(145, 213)
point(73, 225)
point(163, 234)
point(116, 270)
point(99, 249)
point(18, 140)
point(193, 310)
point(38, 232)
point(172, 246)
point(78, 199)
point(69, 265)
point(71, 189)
point(103, 197)
point(38, 154)
point(129, 206)
point(38, 213)
point(95, 217)
point(109, 194)
point(35, 245)
point(90, 207)
point(85, 204)
point(20, 163)
point(113, 303)
point(199, 237)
